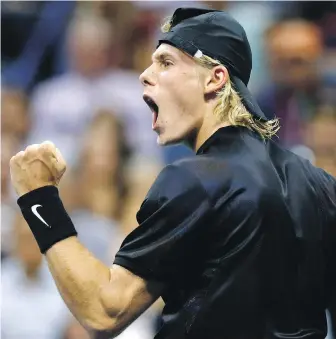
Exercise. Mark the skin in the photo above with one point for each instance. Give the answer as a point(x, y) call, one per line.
point(185, 94)
point(108, 299)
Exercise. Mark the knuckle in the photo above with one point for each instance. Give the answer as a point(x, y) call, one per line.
point(19, 155)
point(43, 149)
point(47, 142)
point(12, 160)
point(48, 145)
point(16, 158)
point(31, 149)
point(47, 148)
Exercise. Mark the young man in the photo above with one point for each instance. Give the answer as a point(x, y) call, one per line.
point(239, 241)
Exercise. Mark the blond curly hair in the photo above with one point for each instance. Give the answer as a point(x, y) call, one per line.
point(230, 106)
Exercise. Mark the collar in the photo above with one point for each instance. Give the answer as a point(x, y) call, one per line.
point(226, 137)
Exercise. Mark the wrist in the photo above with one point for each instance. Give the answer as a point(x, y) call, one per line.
point(46, 216)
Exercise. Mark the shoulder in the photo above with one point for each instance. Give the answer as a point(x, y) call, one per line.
point(174, 180)
point(217, 176)
point(174, 188)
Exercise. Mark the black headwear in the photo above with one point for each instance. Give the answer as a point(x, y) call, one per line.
point(216, 34)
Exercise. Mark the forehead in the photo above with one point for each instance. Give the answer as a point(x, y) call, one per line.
point(166, 50)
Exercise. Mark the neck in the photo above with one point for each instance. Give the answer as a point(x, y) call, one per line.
point(208, 128)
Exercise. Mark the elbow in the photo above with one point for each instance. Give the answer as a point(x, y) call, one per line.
point(103, 328)
point(102, 325)
point(109, 317)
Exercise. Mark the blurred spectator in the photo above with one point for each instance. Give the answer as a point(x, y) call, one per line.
point(103, 162)
point(9, 146)
point(14, 113)
point(321, 138)
point(316, 11)
point(124, 17)
point(32, 48)
point(62, 107)
point(294, 48)
point(31, 305)
point(14, 128)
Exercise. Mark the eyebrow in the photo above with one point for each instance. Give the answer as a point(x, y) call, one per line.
point(161, 56)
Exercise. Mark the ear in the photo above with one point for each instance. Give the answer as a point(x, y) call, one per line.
point(216, 79)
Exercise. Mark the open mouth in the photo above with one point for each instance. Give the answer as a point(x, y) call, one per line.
point(153, 107)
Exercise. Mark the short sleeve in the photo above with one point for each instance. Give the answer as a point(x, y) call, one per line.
point(172, 220)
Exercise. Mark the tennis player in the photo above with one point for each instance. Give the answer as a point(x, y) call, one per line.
point(239, 241)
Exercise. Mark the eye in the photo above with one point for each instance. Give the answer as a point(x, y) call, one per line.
point(166, 63)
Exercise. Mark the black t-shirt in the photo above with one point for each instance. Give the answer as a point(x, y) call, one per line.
point(243, 236)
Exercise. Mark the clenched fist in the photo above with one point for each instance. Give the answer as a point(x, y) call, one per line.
point(39, 165)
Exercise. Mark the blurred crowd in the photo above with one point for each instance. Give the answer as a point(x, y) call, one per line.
point(70, 75)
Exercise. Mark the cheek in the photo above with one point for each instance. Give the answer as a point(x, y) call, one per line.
point(184, 92)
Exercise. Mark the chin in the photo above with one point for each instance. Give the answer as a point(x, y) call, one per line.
point(164, 139)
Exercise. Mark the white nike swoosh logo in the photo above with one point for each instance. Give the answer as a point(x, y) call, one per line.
point(34, 208)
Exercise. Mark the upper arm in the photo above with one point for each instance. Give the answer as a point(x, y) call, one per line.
point(127, 296)
point(160, 250)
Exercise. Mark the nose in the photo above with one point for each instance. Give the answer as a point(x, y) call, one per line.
point(147, 77)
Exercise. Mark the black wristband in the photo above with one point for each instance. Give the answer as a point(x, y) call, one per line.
point(46, 216)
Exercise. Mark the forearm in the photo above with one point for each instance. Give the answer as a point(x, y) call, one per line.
point(80, 277)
